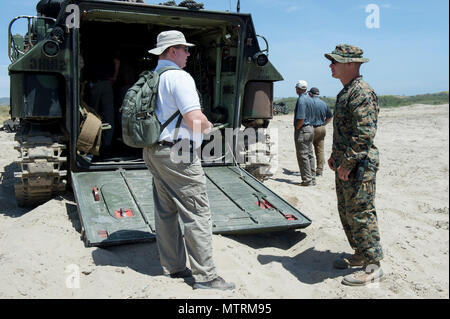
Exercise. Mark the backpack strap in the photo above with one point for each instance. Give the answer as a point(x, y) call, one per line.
point(174, 115)
point(177, 113)
point(177, 128)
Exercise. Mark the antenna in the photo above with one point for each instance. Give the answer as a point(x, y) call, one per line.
point(238, 6)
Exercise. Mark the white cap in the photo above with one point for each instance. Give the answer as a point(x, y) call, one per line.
point(302, 84)
point(167, 39)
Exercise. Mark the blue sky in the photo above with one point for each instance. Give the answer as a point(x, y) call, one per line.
point(409, 51)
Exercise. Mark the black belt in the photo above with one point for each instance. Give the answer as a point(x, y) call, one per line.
point(192, 151)
point(170, 144)
point(317, 125)
point(165, 143)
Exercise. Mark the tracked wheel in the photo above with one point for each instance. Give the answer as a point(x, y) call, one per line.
point(41, 176)
point(258, 158)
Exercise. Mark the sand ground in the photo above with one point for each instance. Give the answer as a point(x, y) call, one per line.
point(42, 256)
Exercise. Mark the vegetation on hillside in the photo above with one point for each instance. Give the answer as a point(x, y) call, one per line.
point(4, 114)
point(384, 100)
point(4, 101)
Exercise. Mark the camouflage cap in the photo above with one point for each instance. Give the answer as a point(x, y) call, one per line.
point(346, 53)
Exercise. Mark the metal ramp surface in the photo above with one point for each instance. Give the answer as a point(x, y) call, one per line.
point(116, 207)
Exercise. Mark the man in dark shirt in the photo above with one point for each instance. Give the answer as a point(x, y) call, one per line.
point(321, 116)
point(103, 66)
point(304, 135)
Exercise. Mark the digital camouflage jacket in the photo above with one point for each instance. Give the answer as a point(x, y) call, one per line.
point(354, 128)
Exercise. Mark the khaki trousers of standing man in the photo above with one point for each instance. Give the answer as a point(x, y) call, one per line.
point(319, 147)
point(305, 155)
point(179, 191)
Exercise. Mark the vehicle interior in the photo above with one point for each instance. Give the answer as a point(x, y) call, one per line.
point(212, 64)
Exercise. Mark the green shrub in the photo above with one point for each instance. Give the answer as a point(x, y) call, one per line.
point(383, 100)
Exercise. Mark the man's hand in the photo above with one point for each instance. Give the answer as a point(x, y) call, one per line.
point(343, 173)
point(331, 164)
point(299, 124)
point(209, 127)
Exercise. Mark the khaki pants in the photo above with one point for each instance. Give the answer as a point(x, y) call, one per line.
point(179, 190)
point(319, 147)
point(305, 155)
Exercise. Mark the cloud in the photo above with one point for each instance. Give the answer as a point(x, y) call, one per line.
point(384, 6)
point(291, 9)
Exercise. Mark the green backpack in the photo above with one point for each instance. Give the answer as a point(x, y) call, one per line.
point(140, 126)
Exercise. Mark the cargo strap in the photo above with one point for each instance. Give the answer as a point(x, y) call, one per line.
point(89, 139)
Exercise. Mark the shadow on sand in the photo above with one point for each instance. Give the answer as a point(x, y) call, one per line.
point(289, 172)
point(141, 257)
point(9, 206)
point(311, 266)
point(281, 240)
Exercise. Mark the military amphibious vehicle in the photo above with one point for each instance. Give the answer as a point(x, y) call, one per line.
point(280, 107)
point(51, 76)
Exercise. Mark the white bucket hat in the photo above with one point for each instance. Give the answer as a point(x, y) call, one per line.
point(302, 84)
point(167, 39)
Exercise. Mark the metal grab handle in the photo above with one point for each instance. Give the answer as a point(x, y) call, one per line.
point(267, 44)
point(13, 49)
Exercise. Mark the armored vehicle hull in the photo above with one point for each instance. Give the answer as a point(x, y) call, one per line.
point(54, 72)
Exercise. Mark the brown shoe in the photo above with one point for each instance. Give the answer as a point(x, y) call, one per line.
point(355, 260)
point(370, 274)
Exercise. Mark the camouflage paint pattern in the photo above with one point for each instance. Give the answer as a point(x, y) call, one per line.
point(354, 128)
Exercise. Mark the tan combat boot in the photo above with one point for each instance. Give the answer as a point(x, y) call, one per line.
point(371, 273)
point(355, 260)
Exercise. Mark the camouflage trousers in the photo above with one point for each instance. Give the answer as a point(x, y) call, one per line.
point(356, 206)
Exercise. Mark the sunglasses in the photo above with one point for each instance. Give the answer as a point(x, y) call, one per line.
point(334, 62)
point(186, 48)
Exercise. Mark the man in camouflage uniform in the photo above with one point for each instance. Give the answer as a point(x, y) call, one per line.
point(355, 159)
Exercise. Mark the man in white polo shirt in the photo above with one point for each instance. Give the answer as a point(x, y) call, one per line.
point(179, 189)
